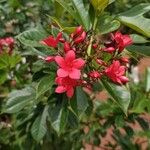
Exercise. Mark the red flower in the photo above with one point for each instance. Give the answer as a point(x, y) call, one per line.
point(121, 40)
point(66, 85)
point(116, 73)
point(51, 41)
point(69, 66)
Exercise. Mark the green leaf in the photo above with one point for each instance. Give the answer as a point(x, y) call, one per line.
point(142, 50)
point(82, 13)
point(140, 105)
point(9, 61)
point(32, 37)
point(3, 76)
point(148, 79)
point(99, 5)
point(59, 117)
point(55, 20)
point(79, 102)
point(107, 24)
point(19, 99)
point(45, 84)
point(14, 60)
point(38, 129)
point(66, 7)
point(119, 94)
point(4, 61)
point(138, 39)
point(134, 19)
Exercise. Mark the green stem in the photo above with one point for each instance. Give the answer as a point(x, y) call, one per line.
point(91, 39)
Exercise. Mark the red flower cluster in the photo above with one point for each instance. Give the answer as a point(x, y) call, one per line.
point(72, 56)
point(69, 67)
point(7, 44)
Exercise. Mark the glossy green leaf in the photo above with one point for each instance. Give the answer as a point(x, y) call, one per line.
point(38, 129)
point(108, 24)
point(148, 79)
point(66, 7)
point(82, 13)
point(79, 102)
point(134, 19)
point(79, 13)
point(32, 37)
point(138, 39)
point(99, 5)
point(119, 94)
point(59, 117)
point(19, 99)
point(142, 50)
point(55, 20)
point(45, 84)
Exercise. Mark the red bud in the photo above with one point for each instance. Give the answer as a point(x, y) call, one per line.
point(66, 47)
point(124, 60)
point(78, 30)
point(95, 46)
point(62, 40)
point(49, 59)
point(95, 74)
point(80, 38)
point(109, 49)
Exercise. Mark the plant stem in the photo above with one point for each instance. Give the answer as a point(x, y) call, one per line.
point(91, 39)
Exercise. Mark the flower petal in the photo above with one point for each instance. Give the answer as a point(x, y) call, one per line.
point(78, 63)
point(75, 74)
point(62, 73)
point(70, 92)
point(70, 56)
point(60, 89)
point(60, 61)
point(50, 41)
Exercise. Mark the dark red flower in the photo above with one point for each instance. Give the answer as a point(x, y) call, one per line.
point(51, 41)
point(69, 66)
point(116, 73)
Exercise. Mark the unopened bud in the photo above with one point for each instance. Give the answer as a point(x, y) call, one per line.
point(66, 47)
point(49, 59)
